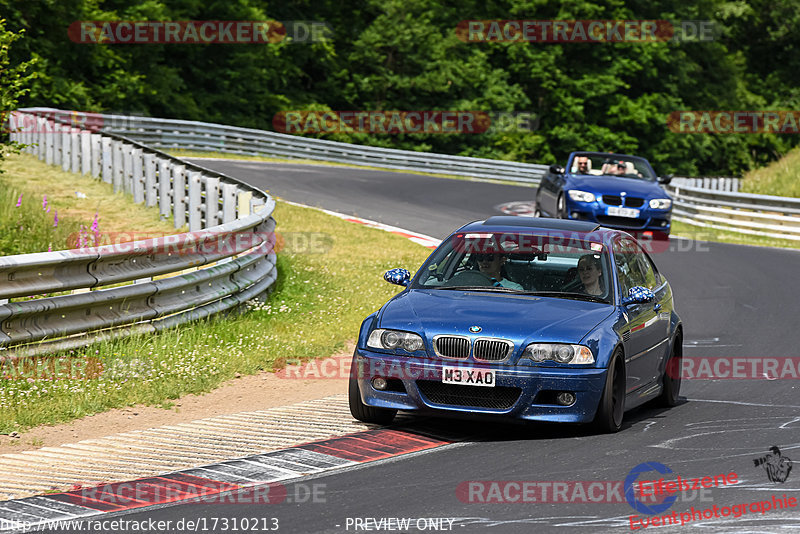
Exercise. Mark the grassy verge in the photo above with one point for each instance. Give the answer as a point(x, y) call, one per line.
point(319, 301)
point(31, 228)
point(222, 155)
point(710, 234)
point(781, 178)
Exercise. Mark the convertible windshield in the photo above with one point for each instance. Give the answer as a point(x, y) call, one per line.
point(519, 263)
point(611, 165)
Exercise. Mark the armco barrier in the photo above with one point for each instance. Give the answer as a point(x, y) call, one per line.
point(215, 270)
point(742, 213)
point(206, 136)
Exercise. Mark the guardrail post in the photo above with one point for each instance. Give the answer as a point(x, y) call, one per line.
point(66, 147)
point(195, 220)
point(41, 136)
point(56, 143)
point(49, 142)
point(127, 168)
point(243, 208)
point(136, 177)
point(117, 165)
point(75, 136)
point(212, 201)
point(96, 163)
point(150, 188)
point(86, 152)
point(179, 195)
point(106, 159)
point(228, 202)
point(164, 188)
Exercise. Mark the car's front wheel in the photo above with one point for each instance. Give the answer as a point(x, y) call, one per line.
point(612, 403)
point(364, 413)
point(561, 208)
point(671, 381)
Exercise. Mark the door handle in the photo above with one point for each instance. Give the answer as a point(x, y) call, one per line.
point(657, 307)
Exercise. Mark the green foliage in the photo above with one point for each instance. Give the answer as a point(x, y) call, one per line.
point(405, 55)
point(13, 81)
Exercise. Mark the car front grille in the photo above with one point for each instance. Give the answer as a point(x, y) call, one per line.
point(452, 346)
point(630, 202)
point(492, 349)
point(496, 398)
point(623, 222)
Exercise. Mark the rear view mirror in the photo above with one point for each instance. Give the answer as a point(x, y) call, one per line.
point(400, 277)
point(638, 295)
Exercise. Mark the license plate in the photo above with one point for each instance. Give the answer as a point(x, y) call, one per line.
point(467, 376)
point(623, 212)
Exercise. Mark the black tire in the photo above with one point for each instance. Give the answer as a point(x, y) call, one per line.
point(611, 409)
point(561, 207)
point(364, 413)
point(537, 211)
point(671, 380)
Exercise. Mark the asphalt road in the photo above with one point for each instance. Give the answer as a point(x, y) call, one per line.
point(733, 300)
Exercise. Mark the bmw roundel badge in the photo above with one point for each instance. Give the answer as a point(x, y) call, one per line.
point(475, 329)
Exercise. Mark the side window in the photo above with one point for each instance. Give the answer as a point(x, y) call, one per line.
point(648, 271)
point(627, 270)
point(638, 268)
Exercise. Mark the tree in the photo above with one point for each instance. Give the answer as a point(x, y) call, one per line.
point(13, 84)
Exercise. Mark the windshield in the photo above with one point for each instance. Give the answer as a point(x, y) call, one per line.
point(568, 268)
point(611, 165)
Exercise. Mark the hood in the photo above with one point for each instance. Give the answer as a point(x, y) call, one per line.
point(519, 318)
point(609, 185)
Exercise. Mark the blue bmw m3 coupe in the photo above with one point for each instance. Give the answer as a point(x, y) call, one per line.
point(522, 318)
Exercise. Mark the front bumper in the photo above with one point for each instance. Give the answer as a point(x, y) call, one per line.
point(649, 219)
point(414, 379)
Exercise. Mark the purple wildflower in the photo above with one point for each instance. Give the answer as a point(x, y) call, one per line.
point(95, 229)
point(55, 220)
point(19, 200)
point(44, 202)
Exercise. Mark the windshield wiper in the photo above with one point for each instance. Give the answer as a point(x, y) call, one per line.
point(566, 295)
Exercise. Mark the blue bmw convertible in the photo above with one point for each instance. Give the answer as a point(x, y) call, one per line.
point(522, 318)
point(615, 190)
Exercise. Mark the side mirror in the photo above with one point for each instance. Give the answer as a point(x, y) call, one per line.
point(638, 295)
point(400, 277)
point(667, 178)
point(556, 169)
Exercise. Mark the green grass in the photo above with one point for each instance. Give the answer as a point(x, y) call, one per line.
point(709, 234)
point(316, 308)
point(780, 178)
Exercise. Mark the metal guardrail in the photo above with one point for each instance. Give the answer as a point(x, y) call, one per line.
point(703, 202)
point(714, 183)
point(743, 213)
point(206, 136)
point(226, 259)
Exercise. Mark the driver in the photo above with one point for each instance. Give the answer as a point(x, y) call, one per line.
point(492, 265)
point(582, 165)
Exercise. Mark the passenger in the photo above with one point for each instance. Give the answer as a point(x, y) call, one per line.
point(590, 271)
point(492, 265)
point(614, 168)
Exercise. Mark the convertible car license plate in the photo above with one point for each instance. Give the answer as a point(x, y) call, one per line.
point(623, 212)
point(467, 376)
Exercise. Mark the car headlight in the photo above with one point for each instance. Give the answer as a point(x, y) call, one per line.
point(581, 196)
point(557, 352)
point(661, 203)
point(394, 339)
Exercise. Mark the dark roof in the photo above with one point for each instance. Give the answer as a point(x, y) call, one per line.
point(538, 222)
